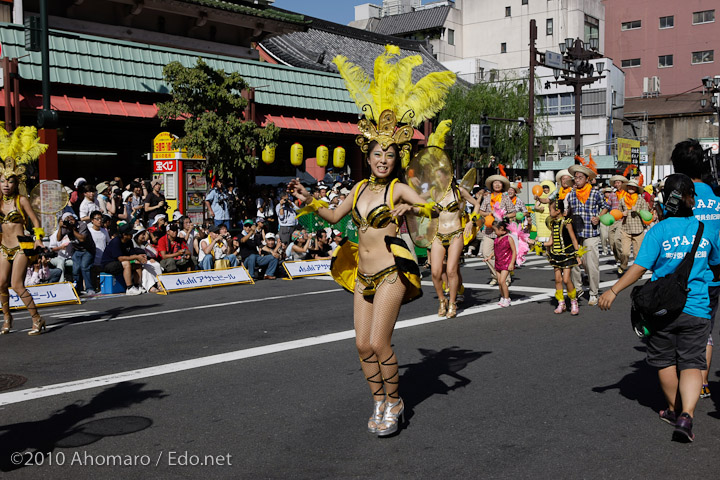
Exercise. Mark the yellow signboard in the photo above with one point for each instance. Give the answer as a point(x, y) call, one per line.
point(162, 148)
point(628, 150)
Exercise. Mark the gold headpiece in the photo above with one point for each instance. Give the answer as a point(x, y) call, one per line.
point(17, 149)
point(393, 94)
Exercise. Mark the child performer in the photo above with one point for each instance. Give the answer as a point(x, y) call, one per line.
point(563, 253)
point(505, 255)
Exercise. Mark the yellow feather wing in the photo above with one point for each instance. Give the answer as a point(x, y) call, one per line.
point(427, 96)
point(357, 83)
point(437, 138)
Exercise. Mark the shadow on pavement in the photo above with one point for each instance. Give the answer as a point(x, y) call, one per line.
point(107, 315)
point(422, 380)
point(640, 385)
point(715, 397)
point(70, 426)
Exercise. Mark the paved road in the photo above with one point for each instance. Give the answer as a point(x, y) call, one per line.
point(262, 381)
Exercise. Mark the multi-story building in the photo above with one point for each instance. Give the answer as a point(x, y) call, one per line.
point(664, 46)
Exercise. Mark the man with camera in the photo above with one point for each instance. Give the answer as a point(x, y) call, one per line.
point(119, 259)
point(287, 219)
point(41, 271)
point(250, 245)
point(216, 247)
point(320, 246)
point(173, 251)
point(81, 248)
point(216, 203)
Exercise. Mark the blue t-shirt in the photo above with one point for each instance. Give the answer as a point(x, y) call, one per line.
point(663, 249)
point(219, 203)
point(707, 210)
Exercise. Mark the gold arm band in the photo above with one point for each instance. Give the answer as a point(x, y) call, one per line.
point(312, 207)
point(474, 217)
point(39, 233)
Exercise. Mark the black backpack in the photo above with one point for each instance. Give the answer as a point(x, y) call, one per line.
point(657, 303)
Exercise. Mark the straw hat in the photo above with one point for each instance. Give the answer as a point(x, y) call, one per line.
point(582, 169)
point(616, 178)
point(560, 174)
point(632, 183)
point(497, 178)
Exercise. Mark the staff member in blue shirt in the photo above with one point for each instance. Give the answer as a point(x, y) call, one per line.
point(688, 158)
point(680, 345)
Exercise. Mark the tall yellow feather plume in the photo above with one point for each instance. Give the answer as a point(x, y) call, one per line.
point(437, 138)
point(427, 96)
point(357, 83)
point(23, 145)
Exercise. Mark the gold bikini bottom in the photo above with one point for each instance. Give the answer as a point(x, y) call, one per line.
point(373, 282)
point(9, 253)
point(446, 238)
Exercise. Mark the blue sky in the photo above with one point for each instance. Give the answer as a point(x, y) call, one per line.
point(338, 11)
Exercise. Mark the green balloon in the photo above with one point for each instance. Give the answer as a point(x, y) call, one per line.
point(519, 216)
point(607, 219)
point(645, 215)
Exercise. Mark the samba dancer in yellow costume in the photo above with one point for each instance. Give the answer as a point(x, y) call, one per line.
point(453, 227)
point(379, 270)
point(20, 147)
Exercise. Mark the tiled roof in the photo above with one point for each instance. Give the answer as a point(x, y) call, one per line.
point(417, 21)
point(315, 48)
point(91, 61)
point(238, 7)
point(665, 106)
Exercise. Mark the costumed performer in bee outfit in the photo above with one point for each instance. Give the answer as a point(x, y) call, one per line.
point(19, 148)
point(379, 269)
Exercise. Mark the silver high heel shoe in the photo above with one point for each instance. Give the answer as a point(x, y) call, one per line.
point(391, 421)
point(377, 417)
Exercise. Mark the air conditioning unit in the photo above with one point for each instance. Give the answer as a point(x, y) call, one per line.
point(564, 149)
point(551, 157)
point(651, 86)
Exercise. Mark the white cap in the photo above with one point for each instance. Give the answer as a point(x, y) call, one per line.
point(268, 236)
point(177, 215)
point(67, 215)
point(125, 195)
point(79, 181)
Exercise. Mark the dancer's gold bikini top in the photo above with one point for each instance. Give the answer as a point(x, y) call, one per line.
point(453, 206)
point(378, 217)
point(15, 216)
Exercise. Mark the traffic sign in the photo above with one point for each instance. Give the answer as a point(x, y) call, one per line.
point(474, 135)
point(553, 60)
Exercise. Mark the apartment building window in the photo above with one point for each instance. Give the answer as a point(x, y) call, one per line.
point(503, 47)
point(705, 16)
point(558, 104)
point(667, 22)
point(593, 103)
point(592, 28)
point(706, 56)
point(507, 11)
point(633, 25)
point(632, 62)
point(451, 36)
point(665, 61)
point(549, 26)
point(524, 2)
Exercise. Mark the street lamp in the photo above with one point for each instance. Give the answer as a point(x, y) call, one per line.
point(578, 72)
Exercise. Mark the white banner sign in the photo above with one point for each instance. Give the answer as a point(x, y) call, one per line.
point(49, 294)
point(306, 268)
point(474, 135)
point(204, 278)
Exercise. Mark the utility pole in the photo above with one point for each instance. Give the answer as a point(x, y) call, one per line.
point(531, 112)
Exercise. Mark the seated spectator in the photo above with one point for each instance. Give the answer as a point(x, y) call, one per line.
point(82, 248)
point(188, 232)
point(336, 239)
point(101, 238)
point(89, 203)
point(250, 245)
point(272, 248)
point(40, 272)
point(155, 200)
point(119, 259)
point(298, 248)
point(173, 251)
point(152, 268)
point(59, 245)
point(216, 246)
point(320, 247)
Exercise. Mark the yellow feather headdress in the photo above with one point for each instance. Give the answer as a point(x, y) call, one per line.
point(17, 149)
point(392, 94)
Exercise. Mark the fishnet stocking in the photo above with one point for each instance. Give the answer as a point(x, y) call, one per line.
point(374, 323)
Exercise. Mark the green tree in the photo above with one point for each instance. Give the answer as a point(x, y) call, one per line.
point(211, 104)
point(507, 98)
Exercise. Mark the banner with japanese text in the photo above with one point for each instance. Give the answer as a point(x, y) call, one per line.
point(47, 294)
point(306, 268)
point(203, 279)
point(628, 151)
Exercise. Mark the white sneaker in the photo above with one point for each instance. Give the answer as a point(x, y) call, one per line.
point(593, 300)
point(507, 302)
point(493, 282)
point(133, 291)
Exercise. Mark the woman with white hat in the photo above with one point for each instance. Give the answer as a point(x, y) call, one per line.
point(493, 202)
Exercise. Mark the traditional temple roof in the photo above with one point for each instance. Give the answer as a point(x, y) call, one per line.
point(417, 21)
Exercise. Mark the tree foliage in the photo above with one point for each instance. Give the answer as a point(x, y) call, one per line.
point(211, 104)
point(507, 98)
